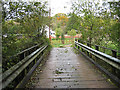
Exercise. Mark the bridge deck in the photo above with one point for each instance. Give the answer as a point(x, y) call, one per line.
point(65, 69)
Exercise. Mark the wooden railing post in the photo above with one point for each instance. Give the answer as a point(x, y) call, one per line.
point(75, 43)
point(42, 52)
point(114, 53)
point(88, 46)
point(27, 53)
point(78, 42)
point(97, 47)
point(22, 56)
point(75, 39)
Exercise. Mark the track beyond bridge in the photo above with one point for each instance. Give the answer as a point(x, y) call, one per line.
point(66, 69)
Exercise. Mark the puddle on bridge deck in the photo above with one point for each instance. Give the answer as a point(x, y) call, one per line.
point(65, 69)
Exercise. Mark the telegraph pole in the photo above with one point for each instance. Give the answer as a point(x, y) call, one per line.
point(49, 23)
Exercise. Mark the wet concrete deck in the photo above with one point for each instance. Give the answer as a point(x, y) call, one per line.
point(65, 69)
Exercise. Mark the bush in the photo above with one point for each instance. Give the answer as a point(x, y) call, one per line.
point(61, 46)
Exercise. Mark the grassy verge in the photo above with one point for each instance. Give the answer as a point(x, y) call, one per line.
point(58, 43)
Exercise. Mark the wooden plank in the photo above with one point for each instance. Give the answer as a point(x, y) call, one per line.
point(68, 70)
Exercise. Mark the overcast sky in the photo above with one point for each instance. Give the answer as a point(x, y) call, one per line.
point(63, 6)
point(59, 6)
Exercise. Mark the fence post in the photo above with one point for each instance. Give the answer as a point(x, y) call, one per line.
point(97, 47)
point(82, 48)
point(42, 52)
point(114, 53)
point(75, 39)
point(78, 42)
point(75, 43)
point(22, 56)
point(88, 46)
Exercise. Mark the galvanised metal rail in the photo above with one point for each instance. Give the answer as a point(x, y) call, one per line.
point(112, 63)
point(22, 70)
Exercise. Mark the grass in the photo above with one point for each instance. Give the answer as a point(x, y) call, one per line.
point(58, 43)
point(68, 41)
point(61, 46)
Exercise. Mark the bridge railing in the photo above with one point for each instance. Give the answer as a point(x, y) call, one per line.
point(8, 63)
point(109, 51)
point(17, 75)
point(108, 64)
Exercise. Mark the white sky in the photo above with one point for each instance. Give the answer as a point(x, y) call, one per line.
point(59, 6)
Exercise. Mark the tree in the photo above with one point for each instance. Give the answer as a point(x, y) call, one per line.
point(22, 25)
point(115, 28)
point(92, 18)
point(72, 33)
point(115, 8)
point(59, 21)
point(73, 22)
point(62, 38)
point(58, 32)
point(33, 16)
